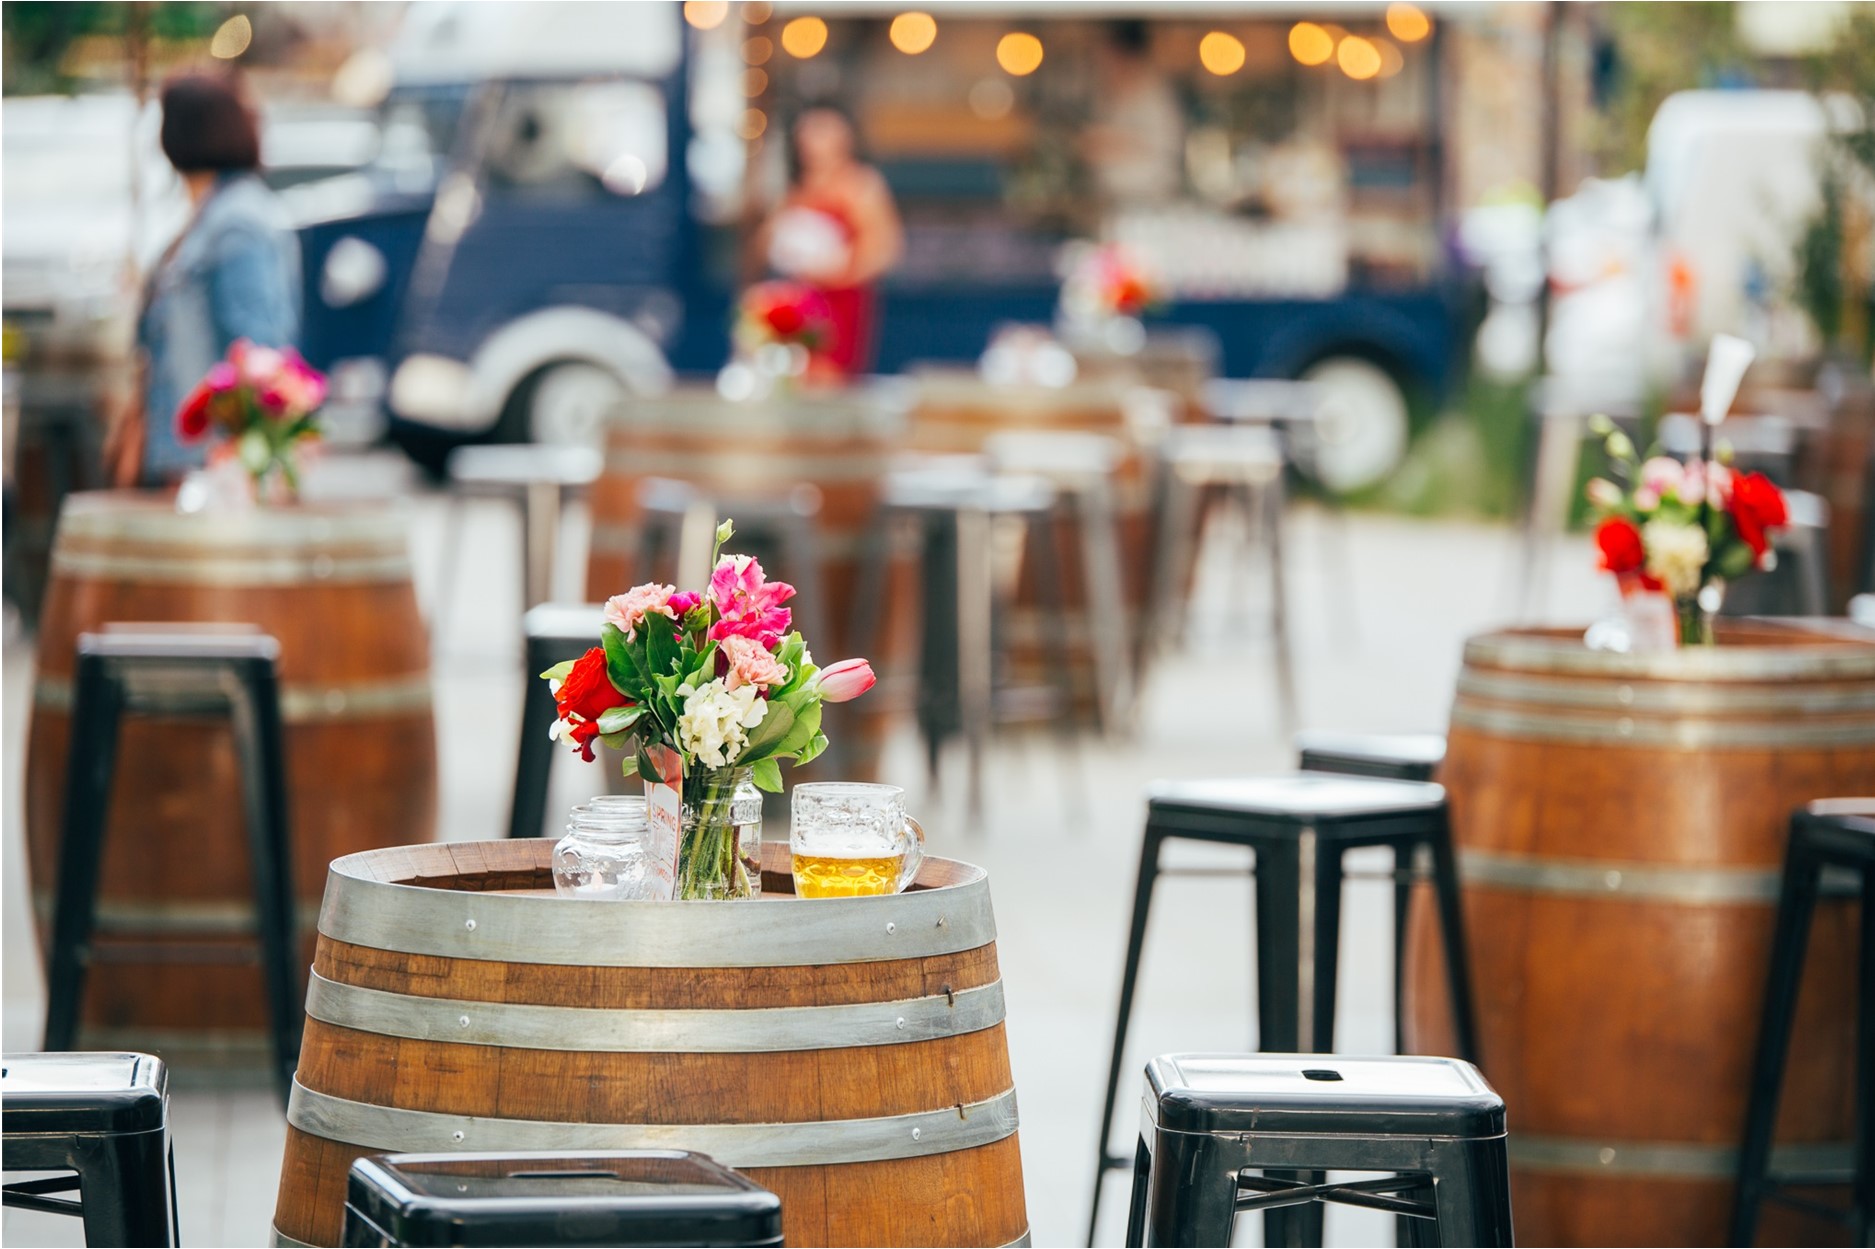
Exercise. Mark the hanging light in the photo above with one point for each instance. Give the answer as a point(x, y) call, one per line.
point(231, 38)
point(913, 32)
point(1310, 44)
point(1019, 53)
point(1221, 53)
point(1359, 58)
point(1408, 22)
point(706, 14)
point(804, 37)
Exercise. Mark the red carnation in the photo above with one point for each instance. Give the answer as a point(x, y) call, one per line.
point(192, 417)
point(1757, 505)
point(1621, 546)
point(586, 694)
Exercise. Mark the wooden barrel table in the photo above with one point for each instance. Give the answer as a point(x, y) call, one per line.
point(332, 585)
point(846, 1053)
point(1621, 823)
point(838, 441)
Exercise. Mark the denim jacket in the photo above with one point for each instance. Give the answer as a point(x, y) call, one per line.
point(234, 273)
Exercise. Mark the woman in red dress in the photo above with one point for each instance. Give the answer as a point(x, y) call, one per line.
point(837, 230)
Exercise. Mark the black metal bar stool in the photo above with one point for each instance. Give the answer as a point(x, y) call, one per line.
point(1835, 835)
point(1220, 1131)
point(627, 1197)
point(555, 632)
point(1299, 828)
point(228, 671)
point(104, 1117)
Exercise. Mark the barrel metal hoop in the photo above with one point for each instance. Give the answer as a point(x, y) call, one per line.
point(767, 1029)
point(505, 927)
point(816, 1143)
point(1800, 698)
point(1623, 878)
point(283, 1241)
point(1608, 730)
point(1568, 656)
point(302, 703)
point(216, 568)
point(1021, 1242)
point(107, 516)
point(1681, 1159)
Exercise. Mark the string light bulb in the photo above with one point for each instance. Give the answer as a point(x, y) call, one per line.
point(913, 32)
point(1019, 53)
point(804, 37)
point(1221, 53)
point(1310, 44)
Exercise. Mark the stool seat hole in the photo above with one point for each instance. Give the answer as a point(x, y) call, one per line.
point(1320, 1073)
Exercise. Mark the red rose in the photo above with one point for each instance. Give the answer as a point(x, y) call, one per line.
point(192, 417)
point(1757, 505)
point(1620, 543)
point(586, 694)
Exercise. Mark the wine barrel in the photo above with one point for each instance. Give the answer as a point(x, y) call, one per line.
point(332, 584)
point(838, 441)
point(1621, 821)
point(846, 1053)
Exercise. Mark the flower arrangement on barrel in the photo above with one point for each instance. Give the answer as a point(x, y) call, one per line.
point(1106, 289)
point(709, 691)
point(782, 330)
point(1673, 534)
point(264, 402)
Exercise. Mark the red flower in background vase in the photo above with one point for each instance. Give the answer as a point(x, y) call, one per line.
point(1757, 505)
point(1619, 541)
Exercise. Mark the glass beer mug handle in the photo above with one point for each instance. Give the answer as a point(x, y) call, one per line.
point(913, 834)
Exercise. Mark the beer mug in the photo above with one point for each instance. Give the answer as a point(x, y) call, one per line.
point(852, 840)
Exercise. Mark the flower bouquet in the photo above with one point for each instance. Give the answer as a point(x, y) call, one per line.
point(265, 402)
point(1674, 533)
point(711, 691)
point(781, 327)
point(1104, 286)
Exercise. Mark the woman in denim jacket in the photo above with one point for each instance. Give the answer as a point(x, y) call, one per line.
point(233, 273)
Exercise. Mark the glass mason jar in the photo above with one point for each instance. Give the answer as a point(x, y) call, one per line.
point(720, 854)
point(604, 853)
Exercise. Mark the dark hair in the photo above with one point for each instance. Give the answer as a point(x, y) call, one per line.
point(794, 146)
point(207, 125)
point(1129, 35)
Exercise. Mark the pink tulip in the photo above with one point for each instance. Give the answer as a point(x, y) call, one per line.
point(845, 681)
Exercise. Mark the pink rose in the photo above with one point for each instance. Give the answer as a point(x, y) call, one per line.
point(744, 661)
point(748, 604)
point(845, 681)
point(1662, 475)
point(628, 610)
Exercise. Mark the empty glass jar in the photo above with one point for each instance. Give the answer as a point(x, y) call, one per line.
point(605, 854)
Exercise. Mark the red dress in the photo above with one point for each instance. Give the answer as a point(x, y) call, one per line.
point(854, 309)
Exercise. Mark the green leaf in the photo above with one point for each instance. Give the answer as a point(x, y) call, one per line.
point(811, 751)
point(558, 671)
point(621, 665)
point(661, 650)
point(768, 735)
point(806, 727)
point(645, 770)
point(618, 719)
point(630, 763)
point(767, 774)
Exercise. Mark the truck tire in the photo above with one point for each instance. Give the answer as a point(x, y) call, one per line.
point(1364, 424)
point(568, 404)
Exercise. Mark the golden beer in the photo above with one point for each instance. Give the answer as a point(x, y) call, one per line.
point(839, 876)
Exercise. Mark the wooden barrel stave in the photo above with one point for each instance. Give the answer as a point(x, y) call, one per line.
point(1619, 895)
point(333, 586)
point(651, 1071)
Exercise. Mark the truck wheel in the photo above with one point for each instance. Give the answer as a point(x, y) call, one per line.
point(1364, 423)
point(568, 404)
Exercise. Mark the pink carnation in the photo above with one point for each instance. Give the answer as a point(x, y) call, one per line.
point(747, 604)
point(743, 661)
point(628, 610)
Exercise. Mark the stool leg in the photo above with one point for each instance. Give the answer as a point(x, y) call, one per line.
point(1052, 599)
point(97, 709)
point(263, 790)
point(1178, 547)
point(1136, 1212)
point(1452, 929)
point(1403, 872)
point(446, 572)
point(1471, 1193)
point(1271, 496)
point(1191, 1194)
point(975, 622)
point(1795, 905)
point(1129, 978)
point(1104, 584)
point(1324, 961)
point(1287, 908)
point(124, 1182)
point(534, 764)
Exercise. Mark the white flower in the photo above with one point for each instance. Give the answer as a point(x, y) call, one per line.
point(714, 725)
point(1676, 554)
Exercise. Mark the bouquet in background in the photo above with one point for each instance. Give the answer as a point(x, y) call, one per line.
point(715, 687)
point(1103, 282)
point(1676, 533)
point(264, 403)
point(781, 326)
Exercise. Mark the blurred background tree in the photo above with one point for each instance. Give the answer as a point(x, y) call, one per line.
point(58, 47)
point(1648, 52)
point(1833, 256)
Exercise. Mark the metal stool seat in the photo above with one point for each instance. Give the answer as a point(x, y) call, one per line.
point(555, 633)
point(626, 1197)
point(1388, 756)
point(1212, 1122)
point(539, 478)
point(104, 1117)
point(1247, 462)
point(153, 670)
point(1299, 828)
point(1832, 836)
point(956, 504)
